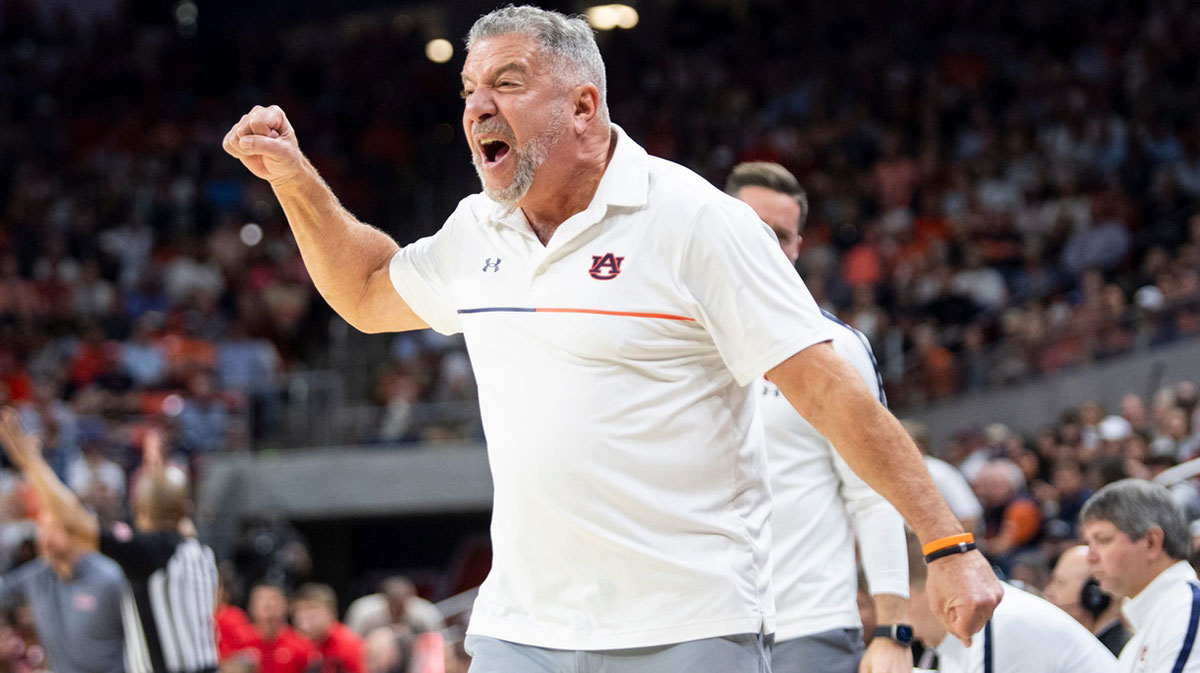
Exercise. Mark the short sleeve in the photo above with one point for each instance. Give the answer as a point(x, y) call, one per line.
point(751, 300)
point(421, 275)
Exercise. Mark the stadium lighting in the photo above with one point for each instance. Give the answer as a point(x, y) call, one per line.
point(627, 17)
point(439, 50)
point(608, 17)
point(251, 234)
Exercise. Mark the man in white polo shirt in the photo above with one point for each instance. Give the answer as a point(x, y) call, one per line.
point(820, 505)
point(1138, 543)
point(616, 308)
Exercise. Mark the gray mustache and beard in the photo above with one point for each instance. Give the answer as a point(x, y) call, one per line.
point(529, 156)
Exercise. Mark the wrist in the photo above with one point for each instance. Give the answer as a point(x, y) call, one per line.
point(899, 633)
point(948, 546)
point(298, 182)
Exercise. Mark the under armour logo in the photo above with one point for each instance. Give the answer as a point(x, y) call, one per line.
point(606, 266)
point(490, 264)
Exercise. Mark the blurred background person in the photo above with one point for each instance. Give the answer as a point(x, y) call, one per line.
point(396, 603)
point(279, 648)
point(314, 612)
point(1073, 589)
point(76, 596)
point(820, 506)
point(172, 577)
point(1138, 545)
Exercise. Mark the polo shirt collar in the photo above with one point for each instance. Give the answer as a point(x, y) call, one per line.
point(1139, 608)
point(626, 183)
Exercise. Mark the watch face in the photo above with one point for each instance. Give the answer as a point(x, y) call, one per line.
point(904, 633)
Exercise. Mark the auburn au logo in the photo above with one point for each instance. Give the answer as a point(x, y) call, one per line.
point(606, 266)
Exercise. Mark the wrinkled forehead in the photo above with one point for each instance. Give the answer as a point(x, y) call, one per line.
point(490, 56)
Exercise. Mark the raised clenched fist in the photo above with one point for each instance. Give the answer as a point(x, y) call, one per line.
point(265, 142)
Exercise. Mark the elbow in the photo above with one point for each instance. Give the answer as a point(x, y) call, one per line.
point(364, 324)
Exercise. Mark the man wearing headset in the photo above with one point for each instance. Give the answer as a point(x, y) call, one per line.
point(1137, 537)
point(1073, 589)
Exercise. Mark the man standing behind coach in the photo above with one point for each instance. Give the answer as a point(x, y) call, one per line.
point(820, 506)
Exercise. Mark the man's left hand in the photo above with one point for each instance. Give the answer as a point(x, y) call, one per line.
point(885, 655)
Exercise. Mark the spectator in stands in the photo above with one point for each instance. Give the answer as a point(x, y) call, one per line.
point(1073, 589)
point(948, 479)
point(388, 649)
point(236, 636)
point(314, 612)
point(98, 481)
point(76, 597)
point(159, 556)
point(279, 648)
point(1011, 518)
point(397, 603)
point(1138, 546)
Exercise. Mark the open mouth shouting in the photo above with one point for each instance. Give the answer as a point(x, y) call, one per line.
point(493, 151)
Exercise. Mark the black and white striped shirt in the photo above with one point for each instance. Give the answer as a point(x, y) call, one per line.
point(168, 609)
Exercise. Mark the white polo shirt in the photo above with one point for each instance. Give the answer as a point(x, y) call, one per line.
point(614, 365)
point(1164, 618)
point(819, 506)
point(1028, 635)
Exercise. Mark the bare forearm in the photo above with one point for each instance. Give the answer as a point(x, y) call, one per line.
point(891, 609)
point(876, 446)
point(63, 504)
point(340, 253)
point(828, 392)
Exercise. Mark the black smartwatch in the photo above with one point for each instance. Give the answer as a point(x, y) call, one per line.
point(901, 633)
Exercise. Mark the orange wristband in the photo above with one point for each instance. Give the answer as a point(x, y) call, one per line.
point(947, 542)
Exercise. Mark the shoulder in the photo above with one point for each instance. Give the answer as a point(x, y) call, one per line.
point(102, 566)
point(472, 209)
point(685, 197)
point(27, 572)
point(1173, 610)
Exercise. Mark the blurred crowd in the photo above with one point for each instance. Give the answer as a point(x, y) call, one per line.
point(299, 631)
point(993, 198)
point(1026, 491)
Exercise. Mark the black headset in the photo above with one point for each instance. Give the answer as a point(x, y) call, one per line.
point(1093, 598)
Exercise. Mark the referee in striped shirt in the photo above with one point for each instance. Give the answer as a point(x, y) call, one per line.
point(168, 608)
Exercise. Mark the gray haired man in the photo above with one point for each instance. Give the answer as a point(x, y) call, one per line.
point(1138, 543)
point(616, 308)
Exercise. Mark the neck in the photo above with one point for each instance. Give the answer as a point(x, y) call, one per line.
point(1153, 570)
point(1106, 618)
point(557, 194)
point(64, 566)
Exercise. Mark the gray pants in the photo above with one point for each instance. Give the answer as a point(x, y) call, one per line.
point(834, 651)
point(745, 653)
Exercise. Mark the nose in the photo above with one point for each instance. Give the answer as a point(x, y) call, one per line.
point(1092, 557)
point(480, 105)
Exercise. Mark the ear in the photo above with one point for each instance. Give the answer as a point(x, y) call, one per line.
point(586, 101)
point(1154, 541)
